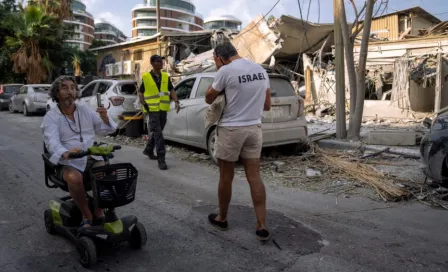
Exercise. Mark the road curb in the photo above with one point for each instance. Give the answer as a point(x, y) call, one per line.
point(344, 145)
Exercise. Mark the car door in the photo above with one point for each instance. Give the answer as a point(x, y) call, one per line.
point(20, 97)
point(176, 127)
point(196, 111)
point(87, 94)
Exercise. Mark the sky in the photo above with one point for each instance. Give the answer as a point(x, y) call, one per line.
point(118, 12)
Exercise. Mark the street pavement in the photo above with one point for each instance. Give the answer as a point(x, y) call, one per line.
point(312, 232)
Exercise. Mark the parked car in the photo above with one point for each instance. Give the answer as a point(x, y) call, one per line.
point(30, 99)
point(434, 148)
point(117, 96)
point(6, 92)
point(51, 104)
point(284, 124)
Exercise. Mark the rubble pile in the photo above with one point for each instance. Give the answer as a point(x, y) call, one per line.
point(425, 71)
point(379, 176)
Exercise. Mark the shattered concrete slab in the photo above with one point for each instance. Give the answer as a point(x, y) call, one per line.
point(258, 42)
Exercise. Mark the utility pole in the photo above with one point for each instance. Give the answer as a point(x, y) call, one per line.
point(158, 25)
point(341, 127)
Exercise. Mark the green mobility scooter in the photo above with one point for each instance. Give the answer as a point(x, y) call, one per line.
point(112, 185)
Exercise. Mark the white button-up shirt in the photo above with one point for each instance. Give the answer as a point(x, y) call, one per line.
point(62, 134)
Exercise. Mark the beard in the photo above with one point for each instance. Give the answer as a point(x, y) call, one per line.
point(69, 101)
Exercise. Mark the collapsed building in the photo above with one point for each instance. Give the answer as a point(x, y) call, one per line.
point(406, 64)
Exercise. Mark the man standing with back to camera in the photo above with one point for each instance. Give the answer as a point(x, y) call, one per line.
point(155, 93)
point(239, 132)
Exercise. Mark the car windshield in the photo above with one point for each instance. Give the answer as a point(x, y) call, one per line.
point(281, 87)
point(41, 89)
point(12, 89)
point(127, 88)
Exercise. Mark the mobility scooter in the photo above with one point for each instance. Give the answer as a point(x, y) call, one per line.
point(112, 185)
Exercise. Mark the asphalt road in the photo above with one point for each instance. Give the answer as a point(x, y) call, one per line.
point(314, 233)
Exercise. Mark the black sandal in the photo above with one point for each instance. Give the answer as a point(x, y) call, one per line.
point(217, 224)
point(263, 235)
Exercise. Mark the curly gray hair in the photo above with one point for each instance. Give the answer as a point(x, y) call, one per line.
point(56, 86)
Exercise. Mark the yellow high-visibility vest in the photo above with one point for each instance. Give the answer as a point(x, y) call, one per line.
point(156, 100)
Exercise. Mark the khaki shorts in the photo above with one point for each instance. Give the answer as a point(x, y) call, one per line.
point(234, 142)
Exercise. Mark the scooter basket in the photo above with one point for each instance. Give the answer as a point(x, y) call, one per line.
point(113, 185)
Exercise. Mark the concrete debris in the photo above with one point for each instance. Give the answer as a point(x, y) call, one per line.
point(313, 173)
point(279, 166)
point(392, 138)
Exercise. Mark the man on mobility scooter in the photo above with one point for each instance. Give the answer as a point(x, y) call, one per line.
point(70, 128)
point(76, 164)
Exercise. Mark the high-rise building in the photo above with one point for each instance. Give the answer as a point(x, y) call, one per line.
point(175, 15)
point(84, 27)
point(108, 33)
point(224, 21)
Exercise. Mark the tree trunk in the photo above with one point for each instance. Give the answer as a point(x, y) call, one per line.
point(349, 61)
point(361, 73)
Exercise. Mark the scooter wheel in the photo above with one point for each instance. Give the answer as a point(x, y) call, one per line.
point(138, 237)
point(49, 225)
point(86, 252)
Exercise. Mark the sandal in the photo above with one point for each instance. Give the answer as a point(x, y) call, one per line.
point(263, 235)
point(85, 222)
point(217, 224)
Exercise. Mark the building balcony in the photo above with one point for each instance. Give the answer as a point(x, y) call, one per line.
point(169, 7)
point(106, 32)
point(153, 21)
point(78, 22)
point(84, 13)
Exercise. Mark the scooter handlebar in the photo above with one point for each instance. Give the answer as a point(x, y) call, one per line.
point(78, 155)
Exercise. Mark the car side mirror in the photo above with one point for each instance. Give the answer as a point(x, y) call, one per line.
point(427, 123)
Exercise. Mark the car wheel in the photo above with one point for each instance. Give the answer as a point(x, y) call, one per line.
point(25, 110)
point(11, 108)
point(211, 146)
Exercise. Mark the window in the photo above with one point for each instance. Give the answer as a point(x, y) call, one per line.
point(281, 87)
point(138, 54)
point(11, 89)
point(203, 86)
point(127, 88)
point(103, 87)
point(88, 90)
point(184, 89)
point(23, 90)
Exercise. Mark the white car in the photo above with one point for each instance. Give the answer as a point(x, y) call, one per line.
point(117, 96)
point(284, 125)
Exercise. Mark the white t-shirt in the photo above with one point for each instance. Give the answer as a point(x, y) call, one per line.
point(245, 84)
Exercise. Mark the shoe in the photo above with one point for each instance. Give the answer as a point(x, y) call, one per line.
point(217, 224)
point(149, 154)
point(263, 235)
point(162, 163)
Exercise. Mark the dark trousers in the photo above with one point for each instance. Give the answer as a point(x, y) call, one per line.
point(156, 124)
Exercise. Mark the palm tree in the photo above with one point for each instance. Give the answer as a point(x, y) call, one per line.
point(60, 9)
point(33, 30)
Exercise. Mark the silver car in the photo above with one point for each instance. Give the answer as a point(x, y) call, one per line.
point(284, 124)
point(30, 99)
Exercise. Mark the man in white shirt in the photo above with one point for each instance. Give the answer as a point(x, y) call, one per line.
point(71, 127)
point(239, 134)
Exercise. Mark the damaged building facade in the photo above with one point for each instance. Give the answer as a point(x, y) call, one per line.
point(407, 68)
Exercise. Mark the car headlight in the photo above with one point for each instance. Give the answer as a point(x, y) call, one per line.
point(440, 123)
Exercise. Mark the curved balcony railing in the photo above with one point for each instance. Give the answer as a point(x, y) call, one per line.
point(197, 14)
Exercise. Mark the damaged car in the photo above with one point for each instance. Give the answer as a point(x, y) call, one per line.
point(434, 148)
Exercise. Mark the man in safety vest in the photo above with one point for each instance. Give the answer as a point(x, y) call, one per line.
point(156, 92)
